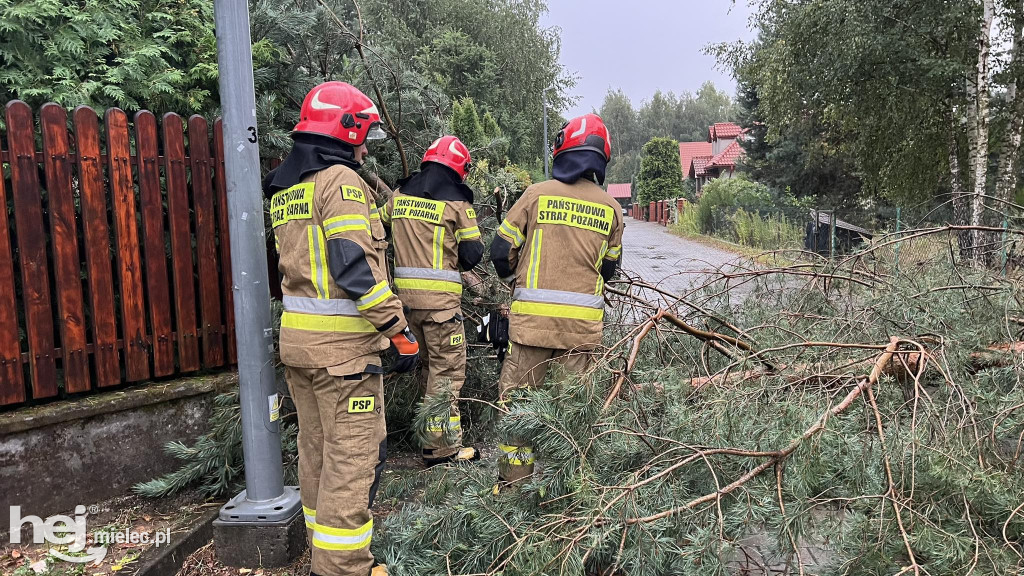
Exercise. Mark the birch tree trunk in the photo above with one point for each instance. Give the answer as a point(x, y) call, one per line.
point(979, 141)
point(1007, 182)
point(961, 208)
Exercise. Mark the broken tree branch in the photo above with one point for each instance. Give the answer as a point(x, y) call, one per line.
point(786, 452)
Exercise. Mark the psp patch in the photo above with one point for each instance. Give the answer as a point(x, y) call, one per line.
point(360, 404)
point(353, 193)
point(457, 339)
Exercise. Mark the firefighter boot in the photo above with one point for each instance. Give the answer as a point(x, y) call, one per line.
point(466, 454)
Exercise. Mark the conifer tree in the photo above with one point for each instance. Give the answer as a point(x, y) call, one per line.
point(466, 124)
point(660, 176)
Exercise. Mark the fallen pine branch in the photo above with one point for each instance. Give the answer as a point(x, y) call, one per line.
point(995, 356)
point(713, 339)
point(781, 455)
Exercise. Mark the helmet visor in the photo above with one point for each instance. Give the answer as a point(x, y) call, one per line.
point(376, 132)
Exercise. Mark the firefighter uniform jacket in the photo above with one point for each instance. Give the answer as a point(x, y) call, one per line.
point(559, 242)
point(433, 238)
point(338, 305)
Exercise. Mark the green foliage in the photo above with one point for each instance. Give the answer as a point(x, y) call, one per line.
point(423, 57)
point(685, 118)
point(623, 123)
point(510, 180)
point(690, 189)
point(686, 222)
point(717, 199)
point(825, 88)
point(155, 54)
point(462, 67)
point(623, 167)
point(475, 49)
point(466, 124)
point(660, 176)
point(745, 212)
point(497, 144)
point(766, 232)
point(632, 490)
point(800, 160)
point(416, 59)
point(214, 462)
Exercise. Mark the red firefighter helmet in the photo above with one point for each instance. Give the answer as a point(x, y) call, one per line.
point(341, 111)
point(451, 152)
point(586, 132)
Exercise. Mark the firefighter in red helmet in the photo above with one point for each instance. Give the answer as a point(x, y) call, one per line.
point(434, 230)
point(558, 245)
point(339, 315)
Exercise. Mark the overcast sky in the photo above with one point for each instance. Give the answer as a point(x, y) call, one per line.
point(624, 43)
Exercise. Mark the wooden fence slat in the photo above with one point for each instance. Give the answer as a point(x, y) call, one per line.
point(126, 238)
point(64, 243)
point(12, 384)
point(96, 235)
point(206, 242)
point(151, 206)
point(181, 243)
point(28, 217)
point(224, 236)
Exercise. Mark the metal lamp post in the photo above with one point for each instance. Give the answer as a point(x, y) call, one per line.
point(266, 506)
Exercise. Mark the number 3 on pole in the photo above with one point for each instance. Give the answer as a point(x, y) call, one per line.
point(252, 134)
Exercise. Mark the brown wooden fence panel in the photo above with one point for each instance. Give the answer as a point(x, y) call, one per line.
point(126, 239)
point(28, 218)
point(96, 235)
point(206, 242)
point(224, 237)
point(158, 291)
point(12, 386)
point(109, 257)
point(64, 242)
point(181, 243)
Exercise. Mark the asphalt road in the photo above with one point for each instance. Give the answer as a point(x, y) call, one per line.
point(670, 262)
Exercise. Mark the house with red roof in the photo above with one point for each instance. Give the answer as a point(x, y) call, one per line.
point(715, 158)
point(690, 150)
point(622, 193)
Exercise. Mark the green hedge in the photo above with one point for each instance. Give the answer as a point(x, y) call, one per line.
point(747, 213)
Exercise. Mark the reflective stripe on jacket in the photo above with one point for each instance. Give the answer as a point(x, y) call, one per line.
point(338, 303)
point(427, 234)
point(557, 236)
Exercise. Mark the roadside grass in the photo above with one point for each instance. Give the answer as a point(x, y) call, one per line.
point(781, 257)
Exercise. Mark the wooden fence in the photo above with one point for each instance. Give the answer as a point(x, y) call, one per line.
point(114, 255)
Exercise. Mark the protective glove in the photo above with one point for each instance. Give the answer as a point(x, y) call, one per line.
point(406, 349)
point(493, 329)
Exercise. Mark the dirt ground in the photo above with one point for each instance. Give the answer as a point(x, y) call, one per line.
point(132, 513)
point(177, 514)
point(401, 484)
point(400, 474)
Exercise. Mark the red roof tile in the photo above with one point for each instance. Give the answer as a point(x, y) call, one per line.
point(700, 164)
point(727, 158)
point(724, 130)
point(620, 191)
point(690, 150)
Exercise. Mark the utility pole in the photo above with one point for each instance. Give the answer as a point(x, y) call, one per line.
point(262, 525)
point(547, 151)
